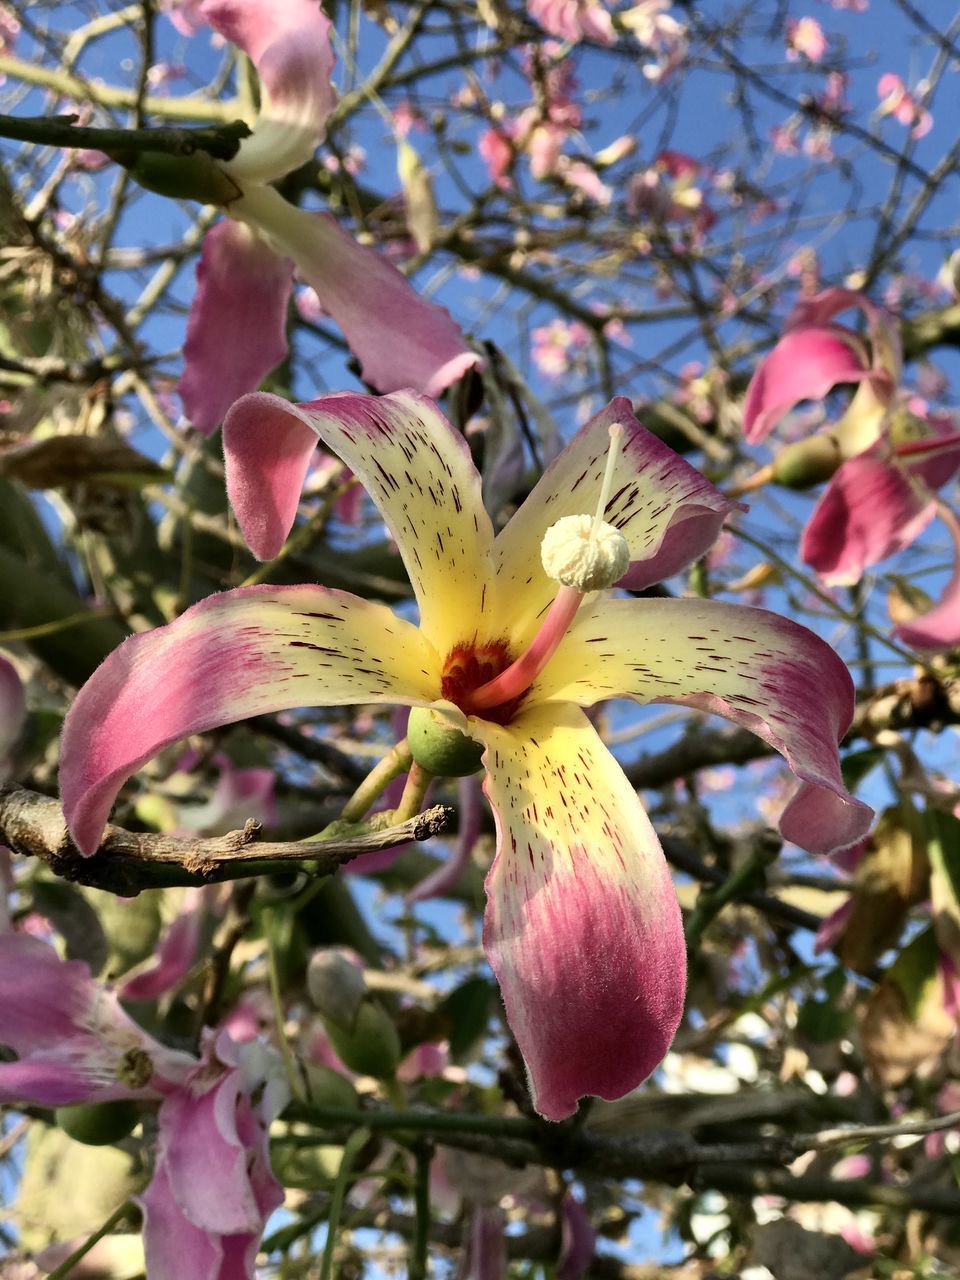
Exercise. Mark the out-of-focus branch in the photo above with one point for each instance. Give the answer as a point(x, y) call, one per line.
point(220, 141)
point(126, 861)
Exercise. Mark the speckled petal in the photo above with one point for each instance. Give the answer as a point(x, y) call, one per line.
point(582, 926)
point(762, 671)
point(233, 655)
point(668, 513)
point(412, 462)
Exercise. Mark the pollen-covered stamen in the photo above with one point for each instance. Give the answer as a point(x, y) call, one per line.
point(581, 553)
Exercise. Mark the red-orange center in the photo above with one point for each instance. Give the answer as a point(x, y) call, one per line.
point(471, 665)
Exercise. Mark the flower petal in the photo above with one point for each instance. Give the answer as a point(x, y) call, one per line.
point(762, 671)
point(200, 1147)
point(804, 365)
point(400, 339)
point(939, 628)
point(582, 926)
point(175, 1248)
point(288, 42)
point(237, 328)
point(416, 468)
point(231, 656)
point(69, 1032)
point(887, 356)
point(869, 510)
point(666, 510)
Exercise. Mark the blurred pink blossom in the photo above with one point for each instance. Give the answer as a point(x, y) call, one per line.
point(805, 38)
point(557, 344)
point(574, 20)
point(905, 107)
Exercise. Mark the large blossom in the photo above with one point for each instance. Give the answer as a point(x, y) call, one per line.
point(212, 1189)
point(582, 926)
point(236, 332)
point(890, 456)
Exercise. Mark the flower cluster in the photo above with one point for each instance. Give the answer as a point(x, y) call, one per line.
point(886, 456)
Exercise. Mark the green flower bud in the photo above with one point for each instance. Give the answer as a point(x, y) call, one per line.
point(372, 1046)
point(97, 1124)
point(439, 748)
point(328, 1088)
point(807, 462)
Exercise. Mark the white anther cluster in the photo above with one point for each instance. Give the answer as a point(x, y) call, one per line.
point(580, 552)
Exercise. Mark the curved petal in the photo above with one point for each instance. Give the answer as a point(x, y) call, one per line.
point(400, 339)
point(666, 510)
point(804, 365)
point(231, 656)
point(237, 331)
point(200, 1147)
point(887, 355)
point(582, 927)
point(870, 509)
point(416, 468)
point(288, 42)
point(762, 671)
point(173, 1245)
point(939, 628)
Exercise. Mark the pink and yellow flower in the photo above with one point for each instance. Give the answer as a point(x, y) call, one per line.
point(582, 925)
point(891, 455)
point(212, 1188)
point(237, 328)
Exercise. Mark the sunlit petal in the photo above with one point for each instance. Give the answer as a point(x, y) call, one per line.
point(762, 671)
point(582, 926)
point(804, 365)
point(939, 628)
point(871, 509)
point(237, 328)
point(416, 468)
point(288, 41)
point(231, 656)
point(400, 339)
point(668, 513)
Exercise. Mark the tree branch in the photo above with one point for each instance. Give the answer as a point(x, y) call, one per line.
point(126, 861)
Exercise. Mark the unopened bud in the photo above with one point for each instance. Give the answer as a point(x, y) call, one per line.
point(807, 462)
point(577, 554)
point(337, 987)
point(372, 1046)
point(440, 748)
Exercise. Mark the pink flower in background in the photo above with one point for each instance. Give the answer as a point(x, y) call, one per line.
point(669, 192)
point(805, 37)
point(497, 153)
point(582, 927)
point(212, 1189)
point(558, 345)
point(892, 455)
point(656, 30)
point(905, 107)
point(237, 328)
point(574, 20)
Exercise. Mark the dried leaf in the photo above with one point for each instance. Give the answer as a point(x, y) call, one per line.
point(905, 1026)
